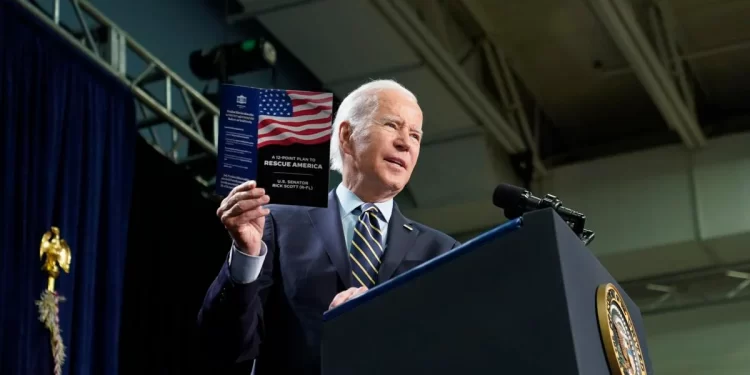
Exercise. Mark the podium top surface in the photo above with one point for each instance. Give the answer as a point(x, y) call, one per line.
point(423, 268)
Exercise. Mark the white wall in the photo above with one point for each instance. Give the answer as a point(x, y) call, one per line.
point(711, 340)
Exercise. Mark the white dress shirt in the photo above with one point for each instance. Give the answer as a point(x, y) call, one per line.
point(245, 268)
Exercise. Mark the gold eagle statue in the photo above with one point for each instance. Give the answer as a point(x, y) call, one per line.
point(58, 254)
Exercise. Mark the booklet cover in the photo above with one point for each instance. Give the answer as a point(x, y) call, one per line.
point(279, 138)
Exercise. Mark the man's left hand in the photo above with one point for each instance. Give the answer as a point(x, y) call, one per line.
point(346, 295)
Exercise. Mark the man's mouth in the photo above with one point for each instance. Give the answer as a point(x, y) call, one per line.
point(397, 161)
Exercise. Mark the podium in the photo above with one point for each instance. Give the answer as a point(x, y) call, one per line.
point(527, 297)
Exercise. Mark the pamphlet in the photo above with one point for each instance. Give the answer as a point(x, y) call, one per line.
point(279, 138)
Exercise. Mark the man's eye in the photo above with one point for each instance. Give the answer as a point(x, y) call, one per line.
point(416, 136)
point(391, 125)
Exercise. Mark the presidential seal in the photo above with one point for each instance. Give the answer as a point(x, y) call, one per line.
point(618, 334)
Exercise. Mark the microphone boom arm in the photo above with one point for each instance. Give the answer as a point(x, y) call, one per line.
point(515, 201)
point(575, 219)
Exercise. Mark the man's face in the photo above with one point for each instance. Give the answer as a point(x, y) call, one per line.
point(389, 149)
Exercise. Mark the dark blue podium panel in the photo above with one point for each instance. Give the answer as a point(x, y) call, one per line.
point(520, 299)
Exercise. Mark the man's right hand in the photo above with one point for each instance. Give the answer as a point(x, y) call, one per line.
point(346, 295)
point(244, 216)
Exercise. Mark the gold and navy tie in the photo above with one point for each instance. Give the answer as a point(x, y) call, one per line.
point(366, 250)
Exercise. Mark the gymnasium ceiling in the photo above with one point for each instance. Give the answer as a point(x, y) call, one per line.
point(568, 82)
point(560, 79)
point(571, 73)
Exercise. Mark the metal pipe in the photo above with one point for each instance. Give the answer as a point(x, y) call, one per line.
point(144, 54)
point(688, 121)
point(176, 122)
point(72, 40)
point(85, 26)
point(732, 47)
point(416, 34)
point(642, 67)
point(627, 44)
point(687, 92)
point(504, 81)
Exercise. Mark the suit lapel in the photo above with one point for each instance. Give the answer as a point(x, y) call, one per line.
point(327, 222)
point(400, 240)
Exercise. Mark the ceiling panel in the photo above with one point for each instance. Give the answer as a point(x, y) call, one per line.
point(708, 24)
point(442, 112)
point(340, 39)
point(712, 34)
point(564, 56)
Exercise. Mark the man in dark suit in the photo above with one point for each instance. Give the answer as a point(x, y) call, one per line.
point(288, 265)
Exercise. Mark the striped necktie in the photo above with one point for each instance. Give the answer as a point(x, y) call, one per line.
point(366, 250)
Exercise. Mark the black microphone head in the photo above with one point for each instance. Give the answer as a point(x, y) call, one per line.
point(511, 199)
point(508, 196)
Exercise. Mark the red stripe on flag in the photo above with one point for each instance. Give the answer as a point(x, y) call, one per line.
point(310, 112)
point(326, 101)
point(310, 93)
point(278, 131)
point(266, 121)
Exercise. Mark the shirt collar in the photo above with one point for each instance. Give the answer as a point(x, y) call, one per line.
point(349, 202)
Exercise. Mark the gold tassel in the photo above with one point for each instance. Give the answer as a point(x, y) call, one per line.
point(49, 315)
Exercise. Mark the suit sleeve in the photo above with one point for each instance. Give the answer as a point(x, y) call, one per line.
point(230, 321)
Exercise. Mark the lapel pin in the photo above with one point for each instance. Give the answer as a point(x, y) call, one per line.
point(408, 227)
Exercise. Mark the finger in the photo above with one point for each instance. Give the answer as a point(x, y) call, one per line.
point(245, 206)
point(341, 297)
point(246, 217)
point(336, 301)
point(247, 185)
point(360, 291)
point(232, 200)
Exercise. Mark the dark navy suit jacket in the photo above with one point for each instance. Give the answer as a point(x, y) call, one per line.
point(277, 319)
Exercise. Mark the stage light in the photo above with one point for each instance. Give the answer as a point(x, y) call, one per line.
point(227, 60)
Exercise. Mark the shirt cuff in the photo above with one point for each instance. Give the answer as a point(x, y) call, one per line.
point(244, 268)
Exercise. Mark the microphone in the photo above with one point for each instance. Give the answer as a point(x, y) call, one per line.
point(515, 201)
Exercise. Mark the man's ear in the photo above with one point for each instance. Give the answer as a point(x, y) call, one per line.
point(345, 138)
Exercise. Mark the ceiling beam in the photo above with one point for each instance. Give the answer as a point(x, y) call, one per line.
point(620, 21)
point(505, 82)
point(448, 70)
point(691, 289)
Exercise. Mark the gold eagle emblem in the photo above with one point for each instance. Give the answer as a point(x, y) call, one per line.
point(57, 253)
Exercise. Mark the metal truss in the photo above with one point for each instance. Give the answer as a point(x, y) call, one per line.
point(691, 289)
point(435, 16)
point(187, 142)
point(506, 85)
point(428, 36)
point(663, 27)
point(662, 73)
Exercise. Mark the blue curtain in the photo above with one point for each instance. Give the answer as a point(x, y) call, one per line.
point(67, 136)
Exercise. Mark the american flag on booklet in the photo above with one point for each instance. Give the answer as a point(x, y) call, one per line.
point(286, 117)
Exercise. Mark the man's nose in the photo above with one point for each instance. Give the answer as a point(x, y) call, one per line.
point(402, 142)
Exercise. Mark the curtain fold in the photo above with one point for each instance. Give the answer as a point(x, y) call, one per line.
point(67, 136)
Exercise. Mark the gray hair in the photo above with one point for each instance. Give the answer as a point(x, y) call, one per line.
point(358, 108)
